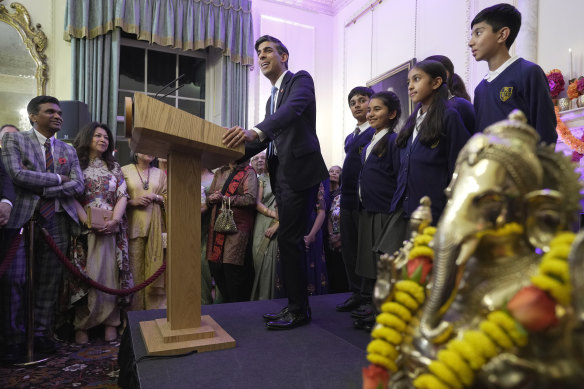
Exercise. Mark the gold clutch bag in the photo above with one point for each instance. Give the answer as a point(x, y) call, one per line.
point(97, 217)
point(225, 223)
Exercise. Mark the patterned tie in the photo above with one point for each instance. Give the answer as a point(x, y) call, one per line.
point(271, 146)
point(273, 100)
point(356, 132)
point(47, 208)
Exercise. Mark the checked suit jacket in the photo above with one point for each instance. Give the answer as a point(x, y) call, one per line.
point(26, 165)
point(6, 187)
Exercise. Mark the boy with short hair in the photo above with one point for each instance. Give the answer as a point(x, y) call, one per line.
point(512, 82)
point(354, 144)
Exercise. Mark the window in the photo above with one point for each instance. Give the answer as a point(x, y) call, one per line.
point(148, 68)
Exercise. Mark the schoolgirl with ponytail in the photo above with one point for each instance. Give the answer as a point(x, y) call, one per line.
point(428, 147)
point(377, 183)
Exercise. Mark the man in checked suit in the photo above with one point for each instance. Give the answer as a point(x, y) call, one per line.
point(296, 169)
point(46, 176)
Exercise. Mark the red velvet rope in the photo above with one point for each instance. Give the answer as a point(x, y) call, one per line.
point(10, 254)
point(89, 281)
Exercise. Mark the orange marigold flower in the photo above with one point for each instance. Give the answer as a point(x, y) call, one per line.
point(573, 90)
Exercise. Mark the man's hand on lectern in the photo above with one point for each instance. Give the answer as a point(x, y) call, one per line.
point(237, 135)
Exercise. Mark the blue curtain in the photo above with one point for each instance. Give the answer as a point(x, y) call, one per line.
point(234, 95)
point(95, 64)
point(182, 24)
point(93, 27)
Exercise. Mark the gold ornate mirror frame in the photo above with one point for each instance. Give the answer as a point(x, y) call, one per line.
point(32, 36)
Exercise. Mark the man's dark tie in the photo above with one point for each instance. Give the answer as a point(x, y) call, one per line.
point(47, 208)
point(356, 132)
point(271, 146)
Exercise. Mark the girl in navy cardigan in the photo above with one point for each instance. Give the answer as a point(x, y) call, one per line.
point(428, 147)
point(377, 183)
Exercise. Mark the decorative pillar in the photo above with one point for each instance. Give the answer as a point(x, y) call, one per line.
point(526, 42)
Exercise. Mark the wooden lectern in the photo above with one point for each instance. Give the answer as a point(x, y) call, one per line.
point(188, 142)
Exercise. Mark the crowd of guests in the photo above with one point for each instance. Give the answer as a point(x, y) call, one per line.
point(361, 210)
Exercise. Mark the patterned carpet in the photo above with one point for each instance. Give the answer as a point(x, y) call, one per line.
point(94, 365)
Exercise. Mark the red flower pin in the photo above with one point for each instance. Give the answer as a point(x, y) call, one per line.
point(62, 161)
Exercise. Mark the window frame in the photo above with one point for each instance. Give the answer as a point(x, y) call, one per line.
point(177, 52)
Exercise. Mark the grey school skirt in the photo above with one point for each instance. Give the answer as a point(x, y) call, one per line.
point(370, 229)
point(395, 231)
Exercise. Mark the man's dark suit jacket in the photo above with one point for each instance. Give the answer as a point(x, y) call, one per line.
point(292, 128)
point(7, 189)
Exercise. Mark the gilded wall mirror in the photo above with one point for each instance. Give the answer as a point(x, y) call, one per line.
point(23, 65)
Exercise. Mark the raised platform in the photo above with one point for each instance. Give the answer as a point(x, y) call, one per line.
point(327, 353)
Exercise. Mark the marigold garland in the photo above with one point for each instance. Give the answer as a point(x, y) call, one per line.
point(566, 135)
point(499, 332)
point(397, 312)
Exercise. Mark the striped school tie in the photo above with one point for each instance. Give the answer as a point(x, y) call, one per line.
point(47, 208)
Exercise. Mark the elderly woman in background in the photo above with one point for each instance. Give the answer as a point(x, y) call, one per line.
point(337, 275)
point(146, 223)
point(258, 162)
point(101, 253)
point(226, 253)
point(264, 244)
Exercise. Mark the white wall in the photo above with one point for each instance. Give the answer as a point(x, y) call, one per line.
point(307, 35)
point(559, 30)
point(398, 30)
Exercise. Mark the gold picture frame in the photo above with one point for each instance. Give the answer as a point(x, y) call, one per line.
point(396, 80)
point(32, 36)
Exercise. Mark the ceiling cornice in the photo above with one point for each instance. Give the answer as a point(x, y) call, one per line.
point(327, 7)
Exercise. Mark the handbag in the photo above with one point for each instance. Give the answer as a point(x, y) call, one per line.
point(97, 217)
point(225, 223)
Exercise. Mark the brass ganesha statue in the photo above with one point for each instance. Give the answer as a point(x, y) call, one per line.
point(503, 303)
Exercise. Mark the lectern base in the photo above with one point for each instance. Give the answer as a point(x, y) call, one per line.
point(160, 340)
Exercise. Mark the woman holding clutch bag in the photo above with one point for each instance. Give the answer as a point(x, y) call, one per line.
point(102, 253)
point(147, 190)
point(237, 185)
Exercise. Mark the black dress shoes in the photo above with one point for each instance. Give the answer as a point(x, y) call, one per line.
point(289, 320)
point(276, 316)
point(44, 345)
point(363, 311)
point(366, 323)
point(350, 304)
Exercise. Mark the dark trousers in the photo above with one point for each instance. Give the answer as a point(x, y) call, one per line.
point(349, 234)
point(48, 272)
point(232, 280)
point(294, 208)
point(335, 268)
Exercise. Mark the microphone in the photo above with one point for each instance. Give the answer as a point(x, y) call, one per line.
point(167, 85)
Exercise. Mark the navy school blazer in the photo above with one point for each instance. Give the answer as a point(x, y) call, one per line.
point(378, 177)
point(352, 168)
point(427, 170)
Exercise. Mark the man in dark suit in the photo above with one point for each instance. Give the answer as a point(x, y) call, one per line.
point(46, 176)
point(296, 168)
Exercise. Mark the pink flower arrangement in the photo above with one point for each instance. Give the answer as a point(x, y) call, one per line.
point(556, 82)
point(580, 85)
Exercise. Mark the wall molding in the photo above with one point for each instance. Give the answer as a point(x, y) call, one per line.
point(327, 7)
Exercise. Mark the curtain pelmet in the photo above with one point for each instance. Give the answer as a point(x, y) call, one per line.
point(182, 24)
